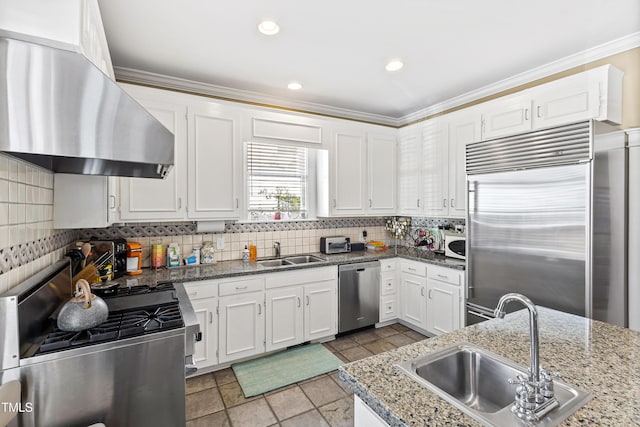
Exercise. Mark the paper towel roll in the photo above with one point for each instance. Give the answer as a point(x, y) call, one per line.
point(210, 226)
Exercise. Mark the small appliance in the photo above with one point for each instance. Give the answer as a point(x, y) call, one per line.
point(335, 245)
point(116, 263)
point(454, 245)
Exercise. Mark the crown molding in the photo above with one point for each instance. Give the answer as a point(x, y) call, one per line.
point(130, 75)
point(613, 47)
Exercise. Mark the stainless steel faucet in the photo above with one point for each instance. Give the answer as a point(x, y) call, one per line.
point(276, 246)
point(534, 398)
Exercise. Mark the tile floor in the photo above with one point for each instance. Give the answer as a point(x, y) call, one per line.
point(216, 399)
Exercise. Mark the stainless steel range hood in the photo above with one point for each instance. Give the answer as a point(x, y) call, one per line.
point(61, 112)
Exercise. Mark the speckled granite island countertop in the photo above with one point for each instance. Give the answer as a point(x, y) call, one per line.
point(224, 269)
point(594, 356)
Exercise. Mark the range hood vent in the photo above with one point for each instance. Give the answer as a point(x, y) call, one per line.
point(59, 111)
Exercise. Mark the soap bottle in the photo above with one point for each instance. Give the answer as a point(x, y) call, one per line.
point(245, 254)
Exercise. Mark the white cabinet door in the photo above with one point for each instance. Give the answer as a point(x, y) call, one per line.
point(381, 167)
point(241, 327)
point(320, 310)
point(214, 176)
point(443, 307)
point(388, 307)
point(576, 99)
point(409, 164)
point(413, 306)
point(159, 199)
point(284, 317)
point(435, 170)
point(504, 117)
point(463, 129)
point(206, 349)
point(349, 171)
point(363, 416)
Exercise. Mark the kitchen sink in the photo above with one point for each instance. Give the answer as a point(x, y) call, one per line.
point(476, 381)
point(273, 263)
point(292, 260)
point(303, 259)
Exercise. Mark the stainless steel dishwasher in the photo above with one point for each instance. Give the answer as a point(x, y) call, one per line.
point(358, 295)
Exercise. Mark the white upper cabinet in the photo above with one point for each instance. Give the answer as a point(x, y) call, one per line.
point(593, 94)
point(214, 177)
point(68, 24)
point(381, 169)
point(435, 168)
point(146, 199)
point(361, 178)
point(464, 128)
point(409, 170)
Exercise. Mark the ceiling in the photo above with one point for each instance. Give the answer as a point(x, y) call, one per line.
point(338, 49)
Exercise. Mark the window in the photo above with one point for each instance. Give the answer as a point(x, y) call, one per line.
point(277, 182)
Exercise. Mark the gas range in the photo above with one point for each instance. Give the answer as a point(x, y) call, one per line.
point(133, 311)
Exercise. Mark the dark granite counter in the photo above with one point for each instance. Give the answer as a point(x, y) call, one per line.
point(224, 269)
point(591, 355)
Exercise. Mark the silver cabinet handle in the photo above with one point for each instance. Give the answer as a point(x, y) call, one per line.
point(526, 114)
point(444, 203)
point(307, 299)
point(422, 291)
point(211, 317)
point(112, 198)
point(241, 287)
point(179, 202)
point(298, 301)
point(418, 202)
point(429, 294)
point(369, 202)
point(259, 309)
point(334, 203)
point(411, 269)
point(237, 203)
point(538, 114)
point(443, 276)
point(452, 203)
point(193, 294)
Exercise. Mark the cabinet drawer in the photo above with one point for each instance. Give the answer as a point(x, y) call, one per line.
point(388, 308)
point(201, 289)
point(447, 275)
point(300, 277)
point(388, 264)
point(241, 286)
point(388, 284)
point(415, 268)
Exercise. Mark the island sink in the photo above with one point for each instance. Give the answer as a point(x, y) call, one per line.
point(476, 381)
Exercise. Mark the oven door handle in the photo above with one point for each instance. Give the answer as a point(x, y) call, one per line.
point(476, 313)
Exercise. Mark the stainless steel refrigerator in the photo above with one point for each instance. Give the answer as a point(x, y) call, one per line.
point(547, 218)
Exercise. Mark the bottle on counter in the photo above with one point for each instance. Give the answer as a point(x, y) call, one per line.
point(253, 252)
point(245, 254)
point(173, 255)
point(157, 255)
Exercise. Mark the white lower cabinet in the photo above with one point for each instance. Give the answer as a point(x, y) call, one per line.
point(284, 317)
point(206, 350)
point(444, 300)
point(320, 309)
point(388, 290)
point(242, 326)
point(363, 416)
point(413, 288)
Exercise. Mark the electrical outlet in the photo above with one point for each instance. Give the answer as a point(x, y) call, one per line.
point(363, 236)
point(220, 243)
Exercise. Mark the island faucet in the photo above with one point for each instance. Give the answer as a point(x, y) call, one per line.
point(276, 246)
point(534, 398)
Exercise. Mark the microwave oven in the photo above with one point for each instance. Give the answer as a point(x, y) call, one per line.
point(455, 245)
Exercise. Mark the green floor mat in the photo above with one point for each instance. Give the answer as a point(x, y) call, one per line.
point(287, 367)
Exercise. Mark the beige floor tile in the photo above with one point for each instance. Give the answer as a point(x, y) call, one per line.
point(203, 403)
point(342, 343)
point(232, 395)
point(380, 346)
point(365, 336)
point(219, 419)
point(357, 353)
point(308, 419)
point(339, 413)
point(416, 336)
point(199, 383)
point(225, 376)
point(289, 402)
point(341, 383)
point(400, 328)
point(252, 414)
point(386, 331)
point(322, 391)
point(399, 340)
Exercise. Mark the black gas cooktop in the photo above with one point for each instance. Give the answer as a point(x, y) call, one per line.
point(133, 311)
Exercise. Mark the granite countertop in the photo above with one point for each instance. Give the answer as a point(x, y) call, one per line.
point(591, 355)
point(224, 269)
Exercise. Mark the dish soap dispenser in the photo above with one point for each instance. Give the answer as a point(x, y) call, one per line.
point(245, 254)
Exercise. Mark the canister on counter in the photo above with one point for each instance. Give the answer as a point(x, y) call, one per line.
point(207, 253)
point(157, 255)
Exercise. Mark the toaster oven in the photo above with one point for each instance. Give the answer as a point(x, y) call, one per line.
point(335, 245)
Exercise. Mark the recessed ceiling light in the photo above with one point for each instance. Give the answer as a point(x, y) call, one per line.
point(294, 86)
point(394, 65)
point(268, 28)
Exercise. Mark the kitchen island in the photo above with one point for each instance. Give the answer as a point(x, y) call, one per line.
point(594, 356)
